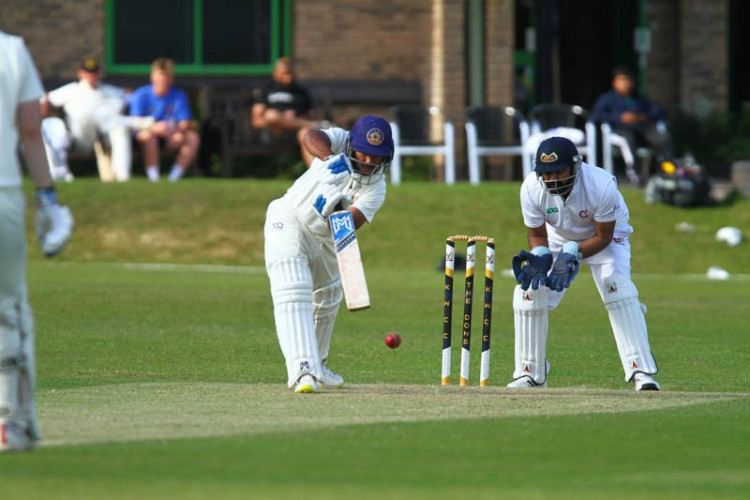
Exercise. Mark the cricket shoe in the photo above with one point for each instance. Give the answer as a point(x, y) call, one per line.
point(330, 379)
point(13, 437)
point(306, 385)
point(645, 382)
point(527, 382)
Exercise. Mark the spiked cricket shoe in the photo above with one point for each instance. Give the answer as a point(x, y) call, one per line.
point(330, 379)
point(645, 382)
point(306, 385)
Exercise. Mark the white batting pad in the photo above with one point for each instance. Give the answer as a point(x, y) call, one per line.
point(531, 326)
point(628, 326)
point(326, 302)
point(291, 288)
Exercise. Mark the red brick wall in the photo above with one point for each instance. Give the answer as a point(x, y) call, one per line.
point(59, 33)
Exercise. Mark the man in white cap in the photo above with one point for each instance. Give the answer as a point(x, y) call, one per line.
point(348, 173)
point(573, 212)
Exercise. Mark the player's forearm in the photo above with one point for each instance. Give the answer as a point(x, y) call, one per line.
point(594, 245)
point(29, 128)
point(317, 143)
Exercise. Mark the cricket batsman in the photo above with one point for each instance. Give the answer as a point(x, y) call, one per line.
point(574, 212)
point(20, 119)
point(299, 253)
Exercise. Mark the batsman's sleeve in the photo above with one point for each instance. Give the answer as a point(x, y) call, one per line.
point(606, 209)
point(338, 137)
point(370, 201)
point(31, 88)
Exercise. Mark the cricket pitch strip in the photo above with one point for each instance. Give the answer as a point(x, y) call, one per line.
point(158, 411)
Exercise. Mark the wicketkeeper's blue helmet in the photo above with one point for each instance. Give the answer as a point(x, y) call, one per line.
point(555, 155)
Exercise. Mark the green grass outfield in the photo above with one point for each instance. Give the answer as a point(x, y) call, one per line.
point(160, 375)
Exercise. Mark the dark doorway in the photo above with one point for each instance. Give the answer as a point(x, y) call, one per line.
point(579, 43)
point(739, 41)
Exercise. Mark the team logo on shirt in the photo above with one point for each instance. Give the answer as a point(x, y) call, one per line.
point(551, 210)
point(583, 214)
point(548, 158)
point(375, 136)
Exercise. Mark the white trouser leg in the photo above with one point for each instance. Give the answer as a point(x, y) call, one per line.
point(628, 325)
point(16, 332)
point(119, 139)
point(326, 302)
point(56, 144)
point(531, 325)
point(291, 288)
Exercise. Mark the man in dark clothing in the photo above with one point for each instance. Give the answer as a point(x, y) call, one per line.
point(284, 107)
point(636, 118)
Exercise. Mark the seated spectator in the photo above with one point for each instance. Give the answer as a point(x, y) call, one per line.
point(93, 111)
point(636, 118)
point(172, 126)
point(284, 107)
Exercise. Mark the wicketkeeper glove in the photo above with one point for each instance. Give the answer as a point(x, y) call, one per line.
point(329, 199)
point(53, 224)
point(565, 268)
point(531, 268)
point(335, 168)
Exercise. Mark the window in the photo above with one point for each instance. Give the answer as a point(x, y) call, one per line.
point(201, 36)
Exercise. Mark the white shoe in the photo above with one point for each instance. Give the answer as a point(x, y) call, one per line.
point(526, 382)
point(330, 379)
point(306, 385)
point(13, 437)
point(645, 382)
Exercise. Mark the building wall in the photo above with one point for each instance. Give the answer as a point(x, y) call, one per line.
point(59, 33)
point(704, 67)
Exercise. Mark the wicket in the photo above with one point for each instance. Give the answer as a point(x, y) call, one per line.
point(489, 275)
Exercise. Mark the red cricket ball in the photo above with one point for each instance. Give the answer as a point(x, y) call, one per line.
point(393, 340)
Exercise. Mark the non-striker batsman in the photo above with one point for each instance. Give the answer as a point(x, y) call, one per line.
point(300, 256)
point(574, 212)
point(20, 121)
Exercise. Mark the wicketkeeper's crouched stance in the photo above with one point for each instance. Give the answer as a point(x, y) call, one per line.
point(575, 212)
point(300, 257)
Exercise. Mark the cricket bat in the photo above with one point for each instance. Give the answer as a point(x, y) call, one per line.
point(350, 261)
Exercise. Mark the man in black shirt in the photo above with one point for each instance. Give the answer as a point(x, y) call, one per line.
point(284, 107)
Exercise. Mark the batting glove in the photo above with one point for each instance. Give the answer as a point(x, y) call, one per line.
point(53, 223)
point(329, 199)
point(335, 168)
point(531, 268)
point(565, 268)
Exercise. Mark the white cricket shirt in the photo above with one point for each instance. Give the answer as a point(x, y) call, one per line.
point(368, 198)
point(19, 83)
point(594, 197)
point(81, 101)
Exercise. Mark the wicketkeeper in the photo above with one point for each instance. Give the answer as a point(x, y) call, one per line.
point(299, 253)
point(20, 90)
point(574, 212)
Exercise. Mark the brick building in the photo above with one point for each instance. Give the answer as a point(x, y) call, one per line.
point(368, 56)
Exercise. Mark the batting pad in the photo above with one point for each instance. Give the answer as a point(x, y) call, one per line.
point(531, 326)
point(291, 288)
point(326, 302)
point(628, 325)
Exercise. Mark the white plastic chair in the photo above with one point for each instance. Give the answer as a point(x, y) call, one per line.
point(411, 137)
point(564, 120)
point(495, 131)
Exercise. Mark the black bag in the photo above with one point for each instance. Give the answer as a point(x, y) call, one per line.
point(680, 182)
